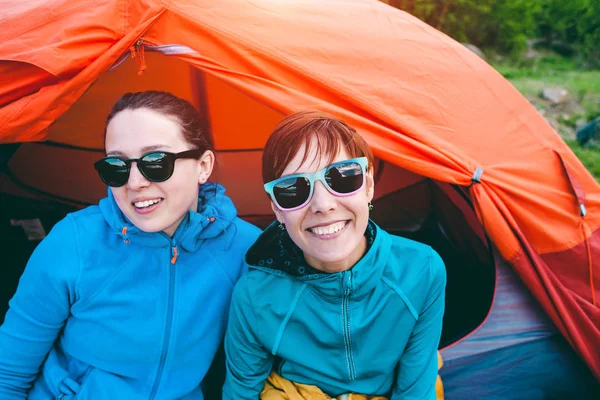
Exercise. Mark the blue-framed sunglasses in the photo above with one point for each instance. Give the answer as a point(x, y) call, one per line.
point(342, 178)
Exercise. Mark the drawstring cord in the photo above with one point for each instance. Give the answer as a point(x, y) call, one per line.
point(232, 223)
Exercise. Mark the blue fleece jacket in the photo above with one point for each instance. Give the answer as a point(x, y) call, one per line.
point(106, 311)
point(373, 329)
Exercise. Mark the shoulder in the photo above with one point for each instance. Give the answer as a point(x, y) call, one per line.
point(87, 221)
point(240, 238)
point(411, 258)
point(410, 249)
point(67, 229)
point(244, 291)
point(414, 269)
point(229, 256)
point(266, 289)
point(87, 215)
point(241, 292)
point(246, 232)
point(59, 255)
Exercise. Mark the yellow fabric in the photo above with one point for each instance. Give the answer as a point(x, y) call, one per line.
point(439, 387)
point(279, 388)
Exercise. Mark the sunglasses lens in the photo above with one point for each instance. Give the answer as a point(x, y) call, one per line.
point(346, 177)
point(113, 171)
point(157, 166)
point(292, 192)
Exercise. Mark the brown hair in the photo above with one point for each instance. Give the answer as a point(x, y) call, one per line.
point(301, 128)
point(180, 110)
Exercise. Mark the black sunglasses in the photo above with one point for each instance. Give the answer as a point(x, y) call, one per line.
point(156, 166)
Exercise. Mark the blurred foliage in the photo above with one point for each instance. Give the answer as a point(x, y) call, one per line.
point(570, 27)
point(589, 155)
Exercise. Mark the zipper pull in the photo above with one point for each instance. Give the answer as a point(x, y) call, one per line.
point(124, 233)
point(349, 286)
point(174, 253)
point(137, 53)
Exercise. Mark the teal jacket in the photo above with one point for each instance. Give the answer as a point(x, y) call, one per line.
point(373, 329)
point(106, 311)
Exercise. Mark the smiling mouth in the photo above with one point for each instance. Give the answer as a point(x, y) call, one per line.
point(329, 229)
point(147, 203)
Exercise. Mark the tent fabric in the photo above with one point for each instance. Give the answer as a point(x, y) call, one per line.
point(420, 99)
point(544, 368)
point(515, 346)
point(514, 318)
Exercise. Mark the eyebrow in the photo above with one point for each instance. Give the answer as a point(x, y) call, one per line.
point(145, 149)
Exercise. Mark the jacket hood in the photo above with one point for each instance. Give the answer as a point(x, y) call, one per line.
point(275, 253)
point(215, 216)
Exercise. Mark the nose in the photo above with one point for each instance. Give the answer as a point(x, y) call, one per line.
point(322, 200)
point(136, 180)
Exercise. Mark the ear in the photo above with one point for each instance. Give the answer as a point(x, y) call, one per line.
point(370, 182)
point(277, 211)
point(206, 164)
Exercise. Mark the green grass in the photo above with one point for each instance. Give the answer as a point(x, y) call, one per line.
point(531, 76)
point(589, 156)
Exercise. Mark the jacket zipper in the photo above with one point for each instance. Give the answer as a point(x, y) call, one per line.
point(346, 328)
point(169, 321)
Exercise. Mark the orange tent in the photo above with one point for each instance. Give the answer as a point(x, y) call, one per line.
point(428, 107)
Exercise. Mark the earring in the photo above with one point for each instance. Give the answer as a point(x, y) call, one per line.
point(281, 227)
point(370, 206)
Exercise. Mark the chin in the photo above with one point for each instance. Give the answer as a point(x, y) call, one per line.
point(150, 229)
point(149, 226)
point(329, 259)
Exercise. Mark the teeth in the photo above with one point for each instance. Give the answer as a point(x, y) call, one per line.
point(328, 230)
point(147, 203)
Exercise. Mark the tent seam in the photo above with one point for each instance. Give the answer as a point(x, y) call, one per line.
point(356, 95)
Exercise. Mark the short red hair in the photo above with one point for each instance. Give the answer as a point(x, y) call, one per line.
point(301, 128)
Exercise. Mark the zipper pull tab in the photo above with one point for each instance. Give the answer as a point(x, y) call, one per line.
point(174, 253)
point(137, 53)
point(349, 283)
point(124, 233)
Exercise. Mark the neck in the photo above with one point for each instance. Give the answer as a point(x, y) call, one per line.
point(341, 265)
point(170, 231)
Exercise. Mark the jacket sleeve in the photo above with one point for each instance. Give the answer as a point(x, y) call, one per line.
point(248, 362)
point(418, 368)
point(38, 310)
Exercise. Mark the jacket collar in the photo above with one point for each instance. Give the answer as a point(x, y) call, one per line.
point(275, 253)
point(215, 216)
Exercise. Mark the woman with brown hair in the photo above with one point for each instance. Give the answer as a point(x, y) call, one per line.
point(129, 299)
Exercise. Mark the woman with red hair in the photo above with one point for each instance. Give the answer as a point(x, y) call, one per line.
point(331, 302)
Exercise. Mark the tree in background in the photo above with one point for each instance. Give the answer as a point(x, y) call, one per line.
point(558, 20)
point(590, 32)
point(505, 25)
point(571, 27)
